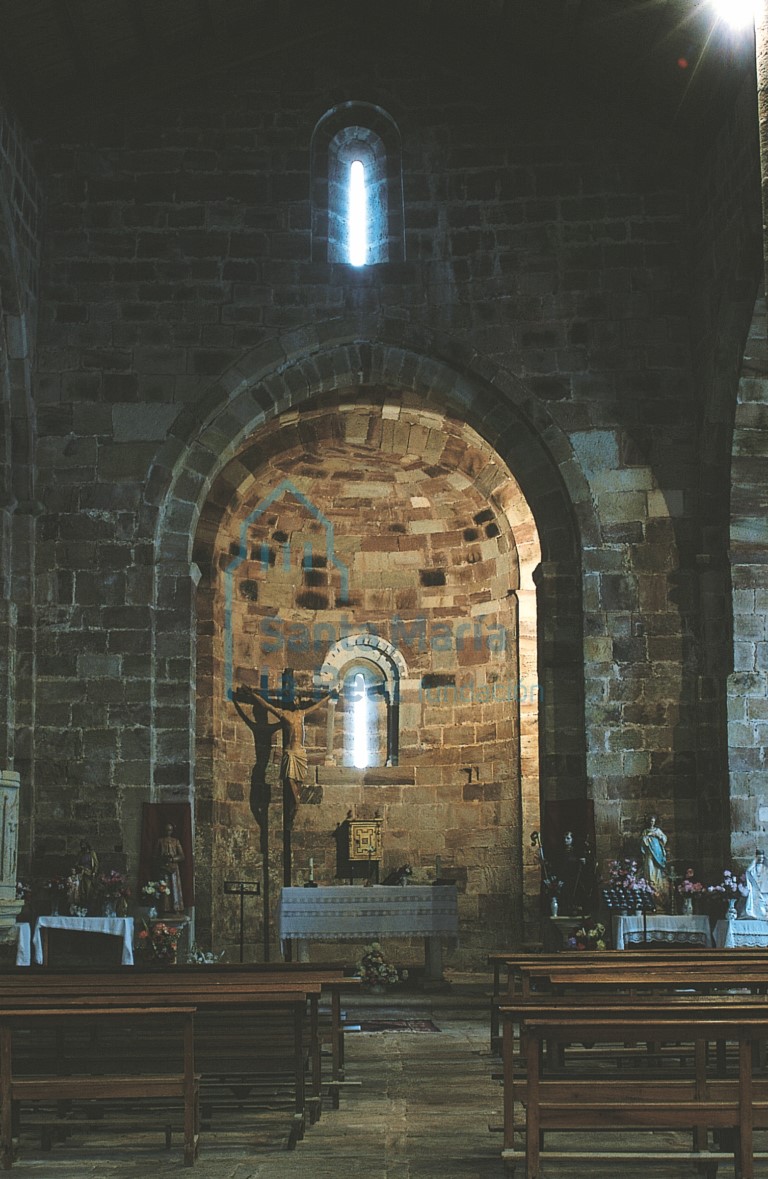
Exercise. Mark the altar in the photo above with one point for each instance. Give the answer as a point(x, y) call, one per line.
point(730, 935)
point(353, 913)
point(37, 946)
point(682, 930)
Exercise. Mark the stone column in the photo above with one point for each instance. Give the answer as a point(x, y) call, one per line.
point(10, 907)
point(761, 57)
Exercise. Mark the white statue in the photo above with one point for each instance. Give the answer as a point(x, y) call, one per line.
point(756, 905)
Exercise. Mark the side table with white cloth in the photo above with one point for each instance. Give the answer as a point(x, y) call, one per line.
point(682, 930)
point(744, 931)
point(121, 927)
point(24, 944)
point(356, 913)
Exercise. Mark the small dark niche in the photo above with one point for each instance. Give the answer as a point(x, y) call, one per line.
point(471, 534)
point(311, 600)
point(491, 530)
point(432, 576)
point(249, 590)
point(257, 554)
point(315, 577)
point(280, 537)
point(436, 679)
point(483, 517)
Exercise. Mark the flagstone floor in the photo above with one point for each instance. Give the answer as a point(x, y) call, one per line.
point(423, 1110)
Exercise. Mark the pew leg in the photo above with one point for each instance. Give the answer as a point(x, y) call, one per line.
point(532, 1122)
point(700, 1089)
point(744, 1167)
point(6, 1104)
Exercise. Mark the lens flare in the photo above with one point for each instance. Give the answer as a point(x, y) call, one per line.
point(737, 13)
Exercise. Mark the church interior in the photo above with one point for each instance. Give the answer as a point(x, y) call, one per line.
point(383, 553)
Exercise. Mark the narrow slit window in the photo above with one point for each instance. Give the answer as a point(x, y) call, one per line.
point(360, 749)
point(358, 215)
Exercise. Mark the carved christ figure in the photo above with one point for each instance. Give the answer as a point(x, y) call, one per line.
point(293, 766)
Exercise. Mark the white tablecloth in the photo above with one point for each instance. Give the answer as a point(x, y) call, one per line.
point(742, 932)
point(121, 927)
point(24, 944)
point(680, 931)
point(350, 913)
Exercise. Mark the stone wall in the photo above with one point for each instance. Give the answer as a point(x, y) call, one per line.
point(726, 258)
point(544, 298)
point(400, 529)
point(20, 228)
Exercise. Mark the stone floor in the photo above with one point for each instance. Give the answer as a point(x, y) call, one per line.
point(422, 1111)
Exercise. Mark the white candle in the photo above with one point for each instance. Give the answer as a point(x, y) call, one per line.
point(311, 868)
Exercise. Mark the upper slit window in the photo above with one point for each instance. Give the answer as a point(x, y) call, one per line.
point(357, 187)
point(357, 218)
point(360, 743)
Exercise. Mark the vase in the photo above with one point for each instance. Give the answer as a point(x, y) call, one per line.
point(687, 906)
point(553, 907)
point(730, 914)
point(151, 913)
point(376, 989)
point(109, 908)
point(121, 907)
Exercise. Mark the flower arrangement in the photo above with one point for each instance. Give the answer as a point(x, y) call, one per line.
point(623, 874)
point(731, 887)
point(155, 889)
point(160, 942)
point(588, 939)
point(689, 886)
point(625, 890)
point(375, 971)
point(197, 957)
point(114, 884)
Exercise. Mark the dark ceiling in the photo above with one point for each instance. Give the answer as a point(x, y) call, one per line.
point(665, 62)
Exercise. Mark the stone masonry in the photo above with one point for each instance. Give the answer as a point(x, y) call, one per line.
point(556, 355)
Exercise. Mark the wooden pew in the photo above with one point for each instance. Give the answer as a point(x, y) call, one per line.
point(259, 1003)
point(638, 1100)
point(183, 1084)
point(514, 962)
point(333, 977)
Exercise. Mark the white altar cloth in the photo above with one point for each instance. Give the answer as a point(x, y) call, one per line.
point(121, 927)
point(681, 930)
point(350, 912)
point(355, 913)
point(730, 935)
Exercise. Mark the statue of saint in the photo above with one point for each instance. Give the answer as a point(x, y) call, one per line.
point(168, 855)
point(85, 872)
point(653, 843)
point(756, 905)
point(293, 766)
point(574, 867)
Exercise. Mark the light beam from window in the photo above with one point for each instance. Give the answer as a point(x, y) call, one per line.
point(737, 13)
point(358, 215)
point(360, 752)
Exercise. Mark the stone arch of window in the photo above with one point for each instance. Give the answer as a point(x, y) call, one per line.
point(384, 670)
point(364, 132)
